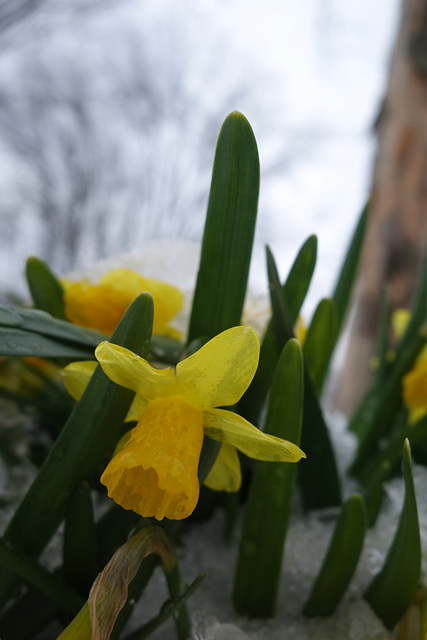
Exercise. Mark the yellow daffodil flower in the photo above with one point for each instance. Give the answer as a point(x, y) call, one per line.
point(101, 305)
point(414, 383)
point(155, 473)
point(300, 330)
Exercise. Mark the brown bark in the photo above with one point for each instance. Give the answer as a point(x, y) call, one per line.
point(397, 227)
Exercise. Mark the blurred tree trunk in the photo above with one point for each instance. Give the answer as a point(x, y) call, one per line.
point(397, 227)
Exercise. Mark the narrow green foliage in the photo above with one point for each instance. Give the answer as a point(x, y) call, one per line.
point(29, 615)
point(361, 420)
point(31, 572)
point(362, 417)
point(340, 561)
point(392, 590)
point(31, 332)
point(46, 290)
point(168, 610)
point(269, 503)
point(374, 490)
point(343, 288)
point(229, 230)
point(418, 314)
point(383, 366)
point(319, 475)
point(320, 342)
point(298, 281)
point(176, 588)
point(294, 291)
point(386, 404)
point(112, 528)
point(15, 342)
point(79, 566)
point(375, 419)
point(83, 447)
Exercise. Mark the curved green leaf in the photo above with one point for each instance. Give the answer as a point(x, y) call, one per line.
point(393, 589)
point(340, 561)
point(46, 290)
point(80, 548)
point(320, 342)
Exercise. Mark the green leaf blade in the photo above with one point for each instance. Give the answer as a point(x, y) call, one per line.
point(315, 440)
point(344, 285)
point(83, 447)
point(320, 342)
point(294, 290)
point(393, 589)
point(46, 290)
point(269, 503)
point(229, 230)
point(340, 561)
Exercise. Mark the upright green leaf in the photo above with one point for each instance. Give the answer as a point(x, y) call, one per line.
point(80, 548)
point(319, 475)
point(299, 278)
point(294, 291)
point(361, 419)
point(46, 290)
point(229, 230)
point(268, 507)
point(320, 342)
point(340, 561)
point(169, 609)
point(344, 285)
point(392, 590)
point(31, 572)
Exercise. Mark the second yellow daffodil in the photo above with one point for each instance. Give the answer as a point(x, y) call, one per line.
point(101, 305)
point(155, 473)
point(414, 383)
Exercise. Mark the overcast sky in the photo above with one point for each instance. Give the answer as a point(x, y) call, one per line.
point(309, 77)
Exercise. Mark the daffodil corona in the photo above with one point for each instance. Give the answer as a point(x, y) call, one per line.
point(101, 305)
point(155, 473)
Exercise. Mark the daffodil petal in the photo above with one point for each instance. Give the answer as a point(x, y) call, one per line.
point(137, 408)
point(415, 386)
point(231, 428)
point(90, 305)
point(129, 370)
point(167, 299)
point(221, 371)
point(102, 305)
point(225, 474)
point(399, 321)
point(76, 376)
